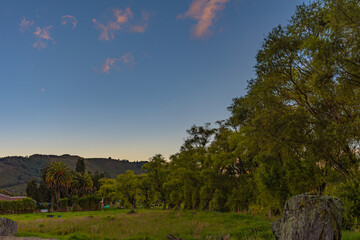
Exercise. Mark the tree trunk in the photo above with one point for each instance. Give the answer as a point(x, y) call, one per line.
point(52, 202)
point(58, 201)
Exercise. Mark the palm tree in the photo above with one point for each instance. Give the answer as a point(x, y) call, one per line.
point(82, 184)
point(57, 176)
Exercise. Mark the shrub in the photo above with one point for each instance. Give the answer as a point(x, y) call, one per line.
point(90, 203)
point(64, 204)
point(25, 205)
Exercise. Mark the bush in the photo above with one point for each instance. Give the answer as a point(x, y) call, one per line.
point(349, 194)
point(90, 203)
point(64, 204)
point(25, 205)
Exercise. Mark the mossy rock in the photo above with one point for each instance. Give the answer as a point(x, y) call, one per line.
point(7, 227)
point(310, 217)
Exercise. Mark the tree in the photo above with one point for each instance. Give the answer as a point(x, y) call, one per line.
point(32, 190)
point(44, 193)
point(127, 186)
point(107, 189)
point(57, 176)
point(300, 117)
point(157, 172)
point(146, 191)
point(81, 184)
point(80, 165)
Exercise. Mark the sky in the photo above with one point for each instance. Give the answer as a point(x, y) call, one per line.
point(124, 78)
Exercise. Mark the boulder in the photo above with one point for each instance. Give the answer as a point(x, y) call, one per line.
point(310, 217)
point(7, 227)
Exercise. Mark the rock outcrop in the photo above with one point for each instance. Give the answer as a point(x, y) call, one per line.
point(310, 217)
point(7, 227)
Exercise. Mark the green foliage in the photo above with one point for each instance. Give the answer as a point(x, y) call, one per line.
point(57, 176)
point(127, 185)
point(64, 203)
point(25, 205)
point(81, 184)
point(349, 193)
point(90, 203)
point(80, 166)
point(18, 171)
point(32, 190)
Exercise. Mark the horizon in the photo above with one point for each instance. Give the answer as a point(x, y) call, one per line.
point(74, 155)
point(124, 79)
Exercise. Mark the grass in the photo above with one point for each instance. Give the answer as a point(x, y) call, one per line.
point(147, 225)
point(144, 224)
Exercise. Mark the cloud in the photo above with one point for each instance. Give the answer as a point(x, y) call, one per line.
point(204, 11)
point(25, 24)
point(138, 28)
point(122, 16)
point(128, 59)
point(108, 63)
point(120, 20)
point(69, 19)
point(141, 27)
point(42, 36)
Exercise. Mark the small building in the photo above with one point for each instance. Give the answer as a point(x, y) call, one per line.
point(4, 197)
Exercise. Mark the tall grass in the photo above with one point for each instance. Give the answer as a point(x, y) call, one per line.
point(147, 224)
point(144, 224)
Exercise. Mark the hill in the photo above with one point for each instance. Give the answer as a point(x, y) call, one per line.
point(16, 171)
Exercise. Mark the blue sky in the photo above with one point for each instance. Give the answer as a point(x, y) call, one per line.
point(123, 79)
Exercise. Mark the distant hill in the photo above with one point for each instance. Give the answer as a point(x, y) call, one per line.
point(16, 172)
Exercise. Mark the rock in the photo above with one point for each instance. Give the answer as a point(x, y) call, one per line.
point(7, 227)
point(310, 217)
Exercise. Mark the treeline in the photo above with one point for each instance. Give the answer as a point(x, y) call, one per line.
point(62, 187)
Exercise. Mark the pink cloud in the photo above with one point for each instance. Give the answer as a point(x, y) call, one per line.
point(121, 20)
point(42, 36)
point(204, 11)
point(127, 59)
point(107, 65)
point(138, 28)
point(104, 31)
point(141, 27)
point(123, 16)
point(25, 24)
point(69, 19)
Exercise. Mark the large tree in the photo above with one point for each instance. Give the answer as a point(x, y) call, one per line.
point(57, 176)
point(156, 175)
point(81, 184)
point(301, 115)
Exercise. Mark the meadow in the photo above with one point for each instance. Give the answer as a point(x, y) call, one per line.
point(146, 224)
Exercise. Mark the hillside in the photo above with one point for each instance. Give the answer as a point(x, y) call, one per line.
point(16, 172)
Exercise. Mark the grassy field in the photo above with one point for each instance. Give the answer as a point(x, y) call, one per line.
point(147, 224)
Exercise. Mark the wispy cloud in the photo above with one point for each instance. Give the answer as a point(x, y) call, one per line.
point(128, 59)
point(25, 24)
point(142, 25)
point(108, 64)
point(204, 11)
point(120, 20)
point(69, 19)
point(43, 36)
